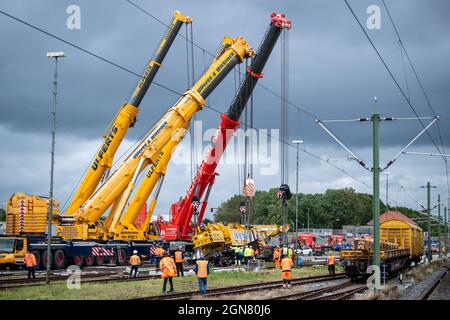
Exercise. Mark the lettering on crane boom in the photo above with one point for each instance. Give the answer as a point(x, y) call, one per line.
point(153, 167)
point(104, 147)
point(149, 140)
point(215, 72)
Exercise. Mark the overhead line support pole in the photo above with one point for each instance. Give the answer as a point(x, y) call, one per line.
point(376, 198)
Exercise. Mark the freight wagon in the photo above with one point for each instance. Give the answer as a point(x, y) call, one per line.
point(401, 244)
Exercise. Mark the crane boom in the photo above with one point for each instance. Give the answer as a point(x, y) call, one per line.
point(124, 119)
point(85, 223)
point(123, 227)
point(179, 227)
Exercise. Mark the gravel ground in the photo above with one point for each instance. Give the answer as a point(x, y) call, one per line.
point(416, 291)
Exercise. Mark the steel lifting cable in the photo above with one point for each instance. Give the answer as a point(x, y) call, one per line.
point(191, 130)
point(192, 83)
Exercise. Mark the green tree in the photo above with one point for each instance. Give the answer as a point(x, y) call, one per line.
point(2, 215)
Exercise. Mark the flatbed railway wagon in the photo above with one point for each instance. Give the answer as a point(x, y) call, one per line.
point(401, 245)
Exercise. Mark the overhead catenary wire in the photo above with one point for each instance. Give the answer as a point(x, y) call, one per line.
point(422, 89)
point(398, 85)
point(178, 93)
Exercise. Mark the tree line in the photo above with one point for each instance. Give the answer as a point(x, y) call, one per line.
point(332, 209)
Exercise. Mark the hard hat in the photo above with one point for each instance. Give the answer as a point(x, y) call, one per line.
point(134, 251)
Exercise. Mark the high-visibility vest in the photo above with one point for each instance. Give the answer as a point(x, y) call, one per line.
point(286, 264)
point(135, 260)
point(202, 268)
point(167, 267)
point(247, 252)
point(276, 255)
point(290, 253)
point(330, 260)
point(178, 256)
point(285, 251)
point(30, 260)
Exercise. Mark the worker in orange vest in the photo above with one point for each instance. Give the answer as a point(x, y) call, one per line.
point(168, 271)
point(135, 262)
point(276, 257)
point(179, 259)
point(30, 262)
point(159, 253)
point(201, 269)
point(331, 269)
point(286, 271)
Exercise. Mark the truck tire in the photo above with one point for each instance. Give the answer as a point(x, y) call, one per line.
point(44, 260)
point(121, 257)
point(59, 259)
point(98, 260)
point(89, 261)
point(38, 258)
point(78, 261)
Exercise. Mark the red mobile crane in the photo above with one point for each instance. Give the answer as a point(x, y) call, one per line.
point(179, 227)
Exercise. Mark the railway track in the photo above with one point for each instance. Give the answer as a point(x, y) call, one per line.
point(15, 282)
point(244, 289)
point(338, 292)
point(435, 285)
point(23, 282)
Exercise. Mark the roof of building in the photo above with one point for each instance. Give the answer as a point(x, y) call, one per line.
point(394, 215)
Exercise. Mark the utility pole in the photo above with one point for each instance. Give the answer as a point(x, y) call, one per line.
point(376, 118)
point(376, 197)
point(445, 231)
point(429, 186)
point(439, 225)
point(297, 142)
point(51, 55)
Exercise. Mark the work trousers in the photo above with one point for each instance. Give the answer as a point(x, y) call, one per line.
point(202, 285)
point(135, 269)
point(331, 270)
point(180, 269)
point(165, 284)
point(158, 259)
point(31, 272)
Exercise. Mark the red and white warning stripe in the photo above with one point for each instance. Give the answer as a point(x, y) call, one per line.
point(249, 188)
point(100, 251)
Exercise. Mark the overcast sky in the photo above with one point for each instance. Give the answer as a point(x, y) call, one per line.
point(334, 74)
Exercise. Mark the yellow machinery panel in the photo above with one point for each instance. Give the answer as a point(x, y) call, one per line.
point(27, 214)
point(406, 235)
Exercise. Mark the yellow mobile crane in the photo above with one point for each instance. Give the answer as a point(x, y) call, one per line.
point(85, 223)
point(124, 119)
point(123, 226)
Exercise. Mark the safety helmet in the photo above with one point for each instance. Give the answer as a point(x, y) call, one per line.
point(134, 251)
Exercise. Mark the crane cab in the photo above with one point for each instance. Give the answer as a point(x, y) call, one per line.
point(12, 251)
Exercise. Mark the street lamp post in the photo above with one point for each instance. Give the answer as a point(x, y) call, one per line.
point(56, 56)
point(308, 220)
point(297, 143)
